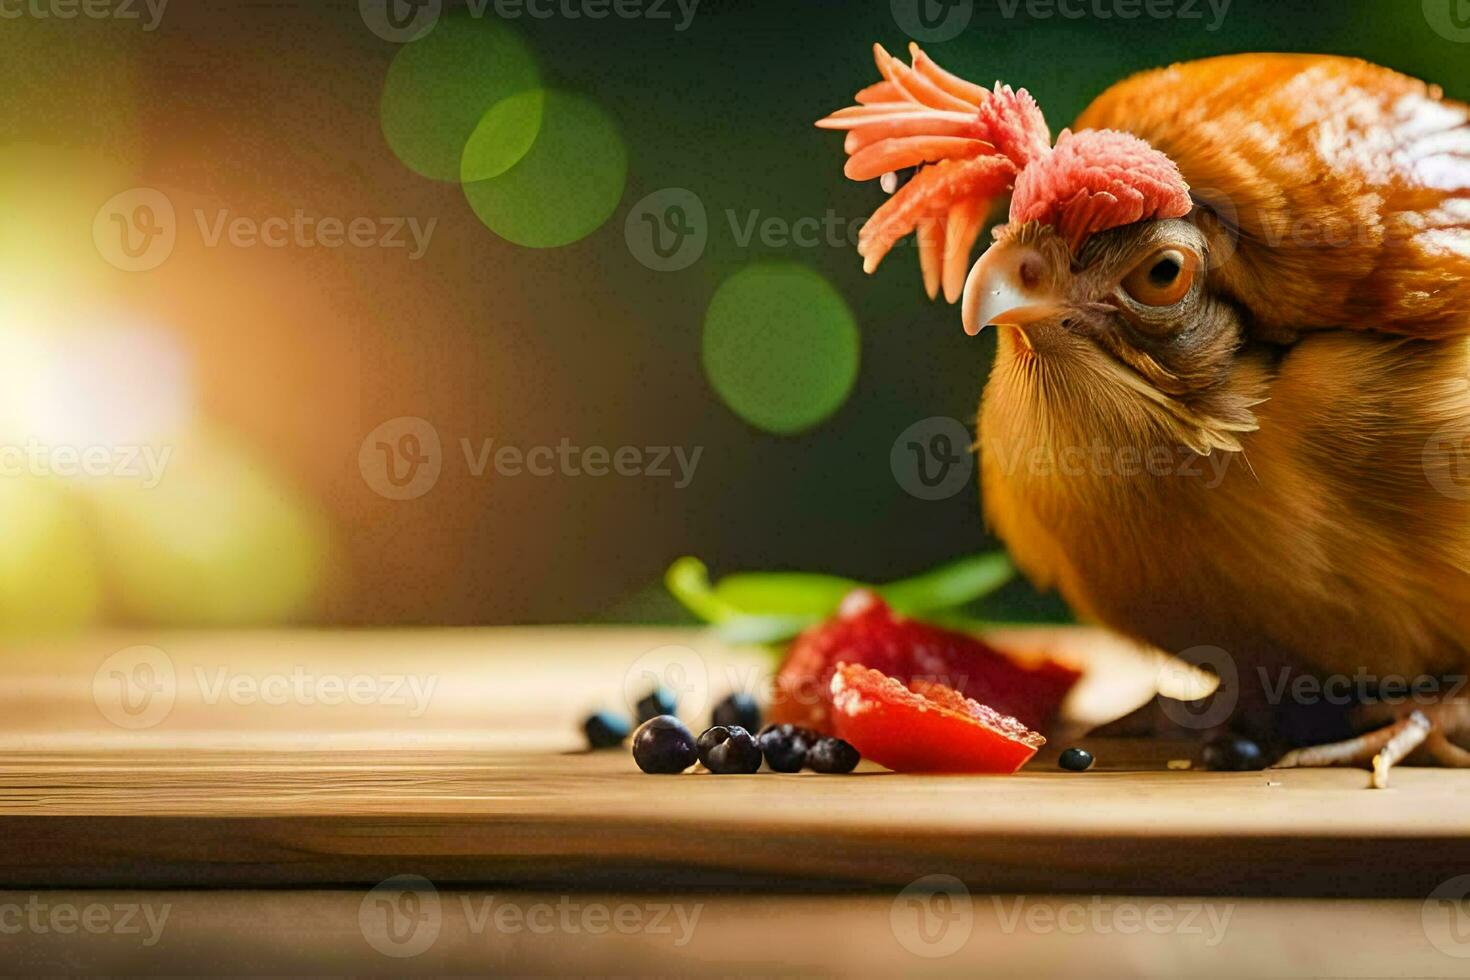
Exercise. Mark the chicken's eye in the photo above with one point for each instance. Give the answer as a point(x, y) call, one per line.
point(1163, 278)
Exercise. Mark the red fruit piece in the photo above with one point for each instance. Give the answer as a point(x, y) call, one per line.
point(866, 631)
point(925, 727)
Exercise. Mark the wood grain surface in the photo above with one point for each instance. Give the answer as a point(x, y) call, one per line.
point(481, 781)
point(465, 932)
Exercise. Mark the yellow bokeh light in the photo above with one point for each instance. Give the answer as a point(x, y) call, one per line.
point(220, 539)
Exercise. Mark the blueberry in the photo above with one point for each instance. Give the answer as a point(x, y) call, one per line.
point(659, 701)
point(606, 730)
point(1075, 760)
point(711, 737)
point(738, 709)
point(832, 755)
point(728, 750)
point(785, 746)
point(664, 745)
point(1234, 753)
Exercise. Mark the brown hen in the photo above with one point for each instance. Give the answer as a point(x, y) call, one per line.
point(1229, 413)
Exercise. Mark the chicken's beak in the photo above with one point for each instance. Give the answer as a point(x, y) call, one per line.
point(1006, 288)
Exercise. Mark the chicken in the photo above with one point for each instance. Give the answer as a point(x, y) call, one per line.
point(1229, 413)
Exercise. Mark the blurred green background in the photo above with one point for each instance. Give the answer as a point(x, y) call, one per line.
point(556, 168)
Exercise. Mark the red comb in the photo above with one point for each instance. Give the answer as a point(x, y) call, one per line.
point(1095, 180)
point(972, 146)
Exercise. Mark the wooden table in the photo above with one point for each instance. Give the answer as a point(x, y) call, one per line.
point(327, 763)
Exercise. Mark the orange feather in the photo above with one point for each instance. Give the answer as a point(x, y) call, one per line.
point(1347, 185)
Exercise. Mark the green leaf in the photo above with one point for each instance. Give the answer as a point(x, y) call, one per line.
point(950, 585)
point(784, 593)
point(962, 623)
point(688, 580)
point(764, 607)
point(763, 629)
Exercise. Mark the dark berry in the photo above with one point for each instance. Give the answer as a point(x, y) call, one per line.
point(659, 701)
point(1075, 760)
point(606, 730)
point(738, 709)
point(664, 745)
point(785, 746)
point(728, 750)
point(1234, 753)
point(832, 755)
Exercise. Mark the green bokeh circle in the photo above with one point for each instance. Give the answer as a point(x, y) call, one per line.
point(503, 137)
point(564, 187)
point(781, 347)
point(440, 86)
